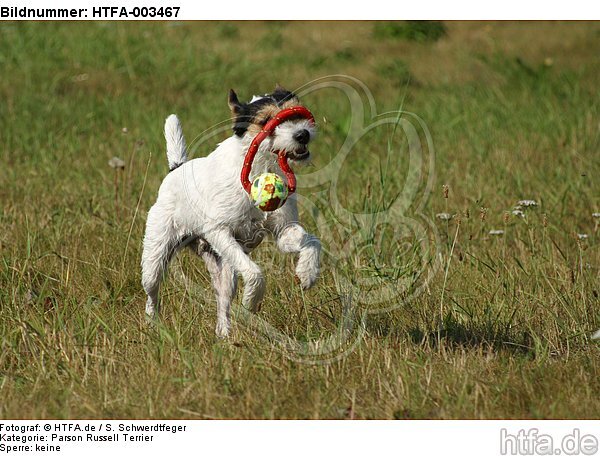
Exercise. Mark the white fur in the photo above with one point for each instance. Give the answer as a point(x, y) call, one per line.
point(176, 148)
point(203, 200)
point(283, 138)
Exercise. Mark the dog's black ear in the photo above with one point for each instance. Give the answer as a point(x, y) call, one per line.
point(234, 103)
point(281, 95)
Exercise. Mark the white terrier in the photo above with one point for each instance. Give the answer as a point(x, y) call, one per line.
point(202, 204)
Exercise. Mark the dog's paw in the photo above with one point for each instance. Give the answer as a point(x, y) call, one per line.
point(307, 269)
point(222, 330)
point(151, 311)
point(307, 276)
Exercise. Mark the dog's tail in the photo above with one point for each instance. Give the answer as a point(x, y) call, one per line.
point(176, 148)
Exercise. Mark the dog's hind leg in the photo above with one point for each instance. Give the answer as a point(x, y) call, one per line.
point(160, 243)
point(224, 281)
point(225, 245)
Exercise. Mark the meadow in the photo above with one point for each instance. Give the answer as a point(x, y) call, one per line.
point(502, 326)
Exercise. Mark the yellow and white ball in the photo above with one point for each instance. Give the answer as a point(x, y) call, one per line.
point(268, 192)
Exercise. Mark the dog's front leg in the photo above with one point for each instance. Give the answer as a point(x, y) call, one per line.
point(231, 252)
point(292, 238)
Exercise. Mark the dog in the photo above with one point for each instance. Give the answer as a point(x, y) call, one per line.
point(202, 204)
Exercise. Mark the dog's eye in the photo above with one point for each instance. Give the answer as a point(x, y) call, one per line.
point(264, 121)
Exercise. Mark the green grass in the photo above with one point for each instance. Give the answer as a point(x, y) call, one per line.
point(411, 30)
point(501, 331)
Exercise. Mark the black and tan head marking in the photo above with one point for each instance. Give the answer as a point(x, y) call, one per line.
point(251, 117)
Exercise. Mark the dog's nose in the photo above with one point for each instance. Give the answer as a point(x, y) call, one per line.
point(302, 136)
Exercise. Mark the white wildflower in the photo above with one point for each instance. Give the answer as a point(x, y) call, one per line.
point(443, 216)
point(496, 232)
point(80, 77)
point(527, 203)
point(124, 130)
point(582, 236)
point(596, 214)
point(518, 213)
point(116, 163)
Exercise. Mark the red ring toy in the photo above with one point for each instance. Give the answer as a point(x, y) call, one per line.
point(268, 129)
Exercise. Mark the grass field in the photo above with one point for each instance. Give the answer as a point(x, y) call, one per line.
point(501, 331)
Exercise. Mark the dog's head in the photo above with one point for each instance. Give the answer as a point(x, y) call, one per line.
point(292, 136)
